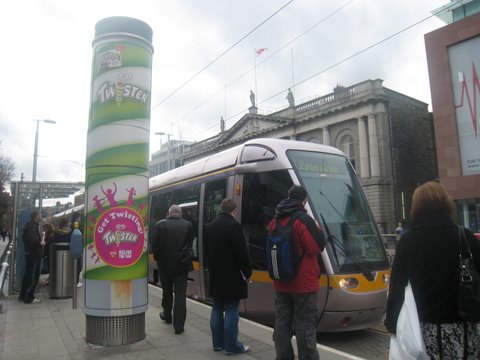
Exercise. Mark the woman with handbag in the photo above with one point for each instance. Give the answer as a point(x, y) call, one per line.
point(428, 256)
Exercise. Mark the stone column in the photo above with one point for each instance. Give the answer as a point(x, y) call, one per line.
point(374, 155)
point(326, 136)
point(362, 138)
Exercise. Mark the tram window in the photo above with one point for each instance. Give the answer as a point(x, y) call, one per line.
point(185, 195)
point(159, 207)
point(188, 198)
point(261, 194)
point(336, 198)
point(254, 153)
point(215, 192)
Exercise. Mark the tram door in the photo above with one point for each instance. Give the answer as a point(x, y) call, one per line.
point(214, 193)
point(261, 194)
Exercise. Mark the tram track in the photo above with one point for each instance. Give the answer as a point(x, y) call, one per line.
point(371, 343)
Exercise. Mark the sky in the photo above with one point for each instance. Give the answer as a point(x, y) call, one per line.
point(47, 56)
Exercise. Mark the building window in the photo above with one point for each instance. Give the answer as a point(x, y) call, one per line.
point(347, 145)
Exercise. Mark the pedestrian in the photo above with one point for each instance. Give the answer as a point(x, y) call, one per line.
point(229, 273)
point(63, 232)
point(172, 250)
point(296, 301)
point(427, 256)
point(33, 244)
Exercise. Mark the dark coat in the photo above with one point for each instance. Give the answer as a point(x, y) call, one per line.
point(32, 240)
point(62, 235)
point(172, 245)
point(428, 256)
point(227, 258)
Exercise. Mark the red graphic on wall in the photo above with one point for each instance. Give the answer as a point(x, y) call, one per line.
point(118, 230)
point(466, 93)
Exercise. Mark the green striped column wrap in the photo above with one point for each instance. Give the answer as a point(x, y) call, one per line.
point(116, 223)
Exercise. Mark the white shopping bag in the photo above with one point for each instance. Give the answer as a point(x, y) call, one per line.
point(408, 343)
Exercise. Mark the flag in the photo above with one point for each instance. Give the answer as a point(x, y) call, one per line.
point(260, 51)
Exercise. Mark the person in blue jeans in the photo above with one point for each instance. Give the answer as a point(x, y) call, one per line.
point(229, 273)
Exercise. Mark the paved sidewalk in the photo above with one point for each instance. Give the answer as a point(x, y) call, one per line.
point(53, 330)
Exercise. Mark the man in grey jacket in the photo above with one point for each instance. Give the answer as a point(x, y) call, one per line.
point(172, 249)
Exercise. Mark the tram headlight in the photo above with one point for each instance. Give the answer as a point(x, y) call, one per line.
point(348, 283)
point(386, 278)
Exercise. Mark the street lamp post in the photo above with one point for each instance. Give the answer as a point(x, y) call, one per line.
point(168, 147)
point(35, 151)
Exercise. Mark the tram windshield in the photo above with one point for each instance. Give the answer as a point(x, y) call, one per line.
point(337, 200)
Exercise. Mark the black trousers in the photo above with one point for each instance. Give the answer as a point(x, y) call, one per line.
point(174, 285)
point(30, 279)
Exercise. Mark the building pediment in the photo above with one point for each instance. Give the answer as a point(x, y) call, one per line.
point(250, 125)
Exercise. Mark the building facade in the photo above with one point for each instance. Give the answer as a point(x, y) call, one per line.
point(387, 136)
point(168, 157)
point(453, 56)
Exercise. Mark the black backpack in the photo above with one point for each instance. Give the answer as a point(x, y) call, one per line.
point(282, 256)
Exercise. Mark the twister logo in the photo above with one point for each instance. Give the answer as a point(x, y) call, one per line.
point(120, 91)
point(119, 236)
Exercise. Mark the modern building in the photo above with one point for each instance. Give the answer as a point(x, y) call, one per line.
point(453, 56)
point(387, 136)
point(168, 157)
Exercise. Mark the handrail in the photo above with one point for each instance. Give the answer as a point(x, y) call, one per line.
point(5, 258)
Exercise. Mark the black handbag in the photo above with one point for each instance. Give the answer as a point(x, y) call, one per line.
point(469, 284)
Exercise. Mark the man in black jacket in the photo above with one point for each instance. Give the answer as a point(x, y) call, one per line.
point(33, 244)
point(172, 249)
point(229, 273)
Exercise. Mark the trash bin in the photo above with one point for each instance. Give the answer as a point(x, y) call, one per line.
point(61, 271)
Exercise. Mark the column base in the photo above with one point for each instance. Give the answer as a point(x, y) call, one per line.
point(115, 330)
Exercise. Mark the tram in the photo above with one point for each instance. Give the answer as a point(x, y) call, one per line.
point(72, 215)
point(257, 175)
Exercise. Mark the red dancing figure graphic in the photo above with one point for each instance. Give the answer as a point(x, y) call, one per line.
point(140, 208)
point(131, 194)
point(110, 194)
point(98, 204)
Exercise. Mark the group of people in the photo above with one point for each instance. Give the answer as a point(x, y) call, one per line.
point(37, 248)
point(296, 303)
point(427, 256)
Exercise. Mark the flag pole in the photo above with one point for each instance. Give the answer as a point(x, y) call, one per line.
point(293, 76)
point(255, 62)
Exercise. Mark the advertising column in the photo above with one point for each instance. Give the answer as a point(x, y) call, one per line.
point(116, 198)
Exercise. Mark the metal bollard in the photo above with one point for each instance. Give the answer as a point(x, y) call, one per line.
point(74, 297)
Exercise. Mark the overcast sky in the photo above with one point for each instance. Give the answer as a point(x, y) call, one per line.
point(47, 53)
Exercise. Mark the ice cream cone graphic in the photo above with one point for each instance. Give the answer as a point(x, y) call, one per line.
point(119, 86)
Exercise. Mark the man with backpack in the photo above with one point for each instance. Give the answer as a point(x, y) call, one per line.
point(296, 296)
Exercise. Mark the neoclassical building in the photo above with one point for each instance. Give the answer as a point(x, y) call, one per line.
point(387, 136)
